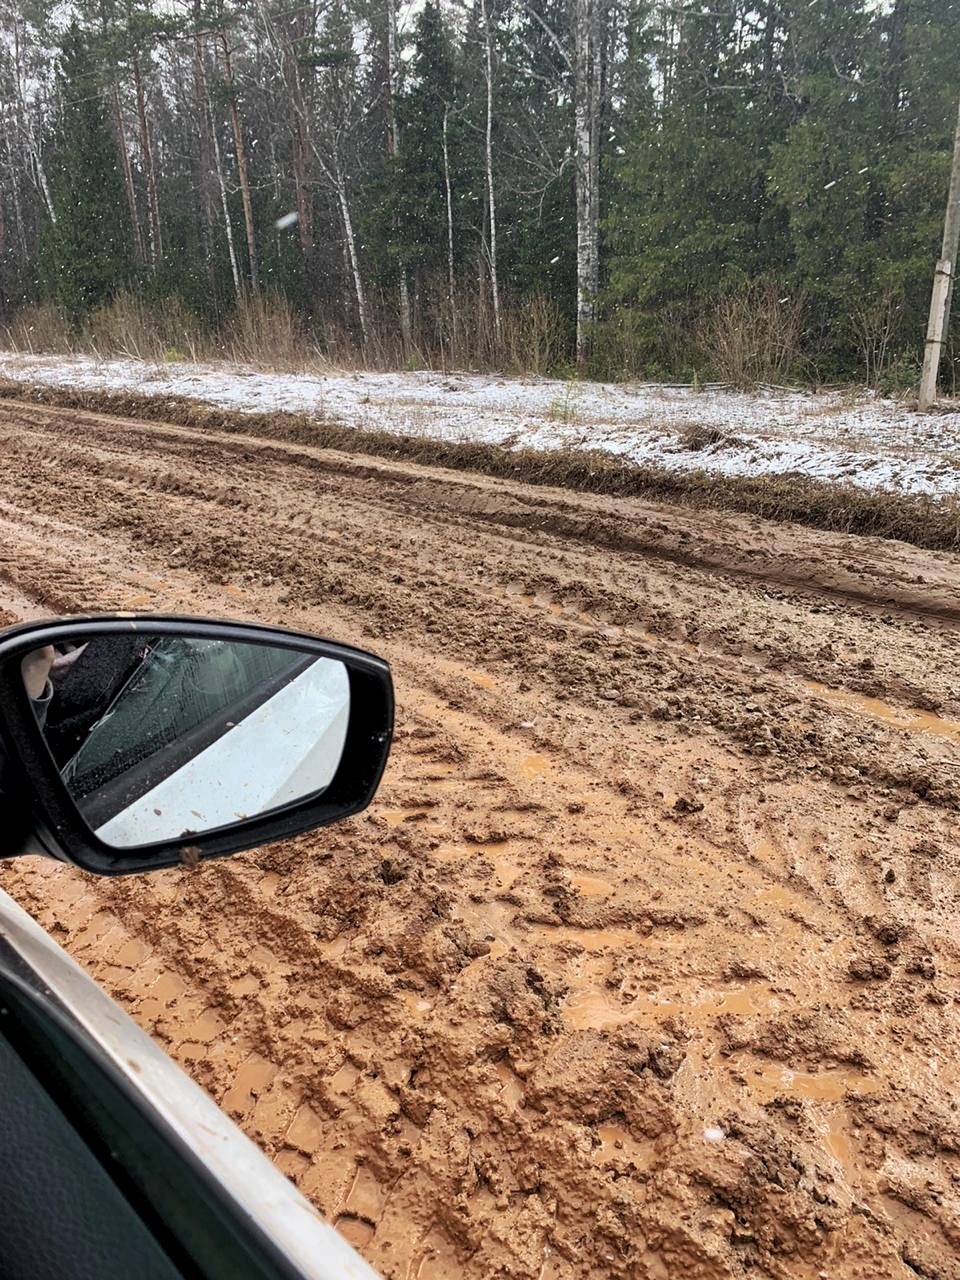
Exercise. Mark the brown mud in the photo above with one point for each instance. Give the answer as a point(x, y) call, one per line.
point(644, 962)
point(925, 521)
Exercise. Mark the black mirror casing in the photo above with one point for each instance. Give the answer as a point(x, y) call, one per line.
point(55, 826)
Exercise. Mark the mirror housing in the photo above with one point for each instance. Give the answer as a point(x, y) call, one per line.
point(53, 822)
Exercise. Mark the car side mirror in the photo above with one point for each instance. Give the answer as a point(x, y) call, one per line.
point(140, 741)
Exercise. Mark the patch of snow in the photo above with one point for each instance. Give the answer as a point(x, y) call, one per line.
point(866, 441)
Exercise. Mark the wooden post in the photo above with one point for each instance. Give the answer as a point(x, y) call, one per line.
point(935, 328)
point(942, 285)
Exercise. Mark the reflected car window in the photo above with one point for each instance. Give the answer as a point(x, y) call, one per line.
point(182, 688)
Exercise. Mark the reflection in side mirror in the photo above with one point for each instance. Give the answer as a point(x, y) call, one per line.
point(167, 737)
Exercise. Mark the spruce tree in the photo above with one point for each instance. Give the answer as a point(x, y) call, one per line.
point(84, 255)
point(404, 225)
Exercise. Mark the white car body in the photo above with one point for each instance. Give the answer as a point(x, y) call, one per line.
point(254, 1187)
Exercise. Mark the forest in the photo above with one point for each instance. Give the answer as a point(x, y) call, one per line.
point(734, 190)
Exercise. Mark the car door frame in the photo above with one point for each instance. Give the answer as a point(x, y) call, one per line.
point(227, 1183)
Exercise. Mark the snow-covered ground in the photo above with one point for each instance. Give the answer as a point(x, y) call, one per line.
point(834, 436)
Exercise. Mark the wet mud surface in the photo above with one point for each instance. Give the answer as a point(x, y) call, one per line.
point(644, 962)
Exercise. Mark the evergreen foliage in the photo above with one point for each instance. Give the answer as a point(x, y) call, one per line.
point(84, 255)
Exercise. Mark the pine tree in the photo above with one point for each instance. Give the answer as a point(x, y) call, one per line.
point(862, 173)
point(407, 207)
point(691, 218)
point(85, 253)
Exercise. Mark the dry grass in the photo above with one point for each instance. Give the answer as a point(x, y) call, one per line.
point(265, 331)
point(38, 330)
point(268, 334)
point(916, 519)
point(754, 336)
point(128, 326)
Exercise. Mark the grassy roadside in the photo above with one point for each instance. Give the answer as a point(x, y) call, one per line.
point(922, 521)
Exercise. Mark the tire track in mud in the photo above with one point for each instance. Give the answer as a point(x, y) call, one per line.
point(667, 638)
point(879, 574)
point(602, 909)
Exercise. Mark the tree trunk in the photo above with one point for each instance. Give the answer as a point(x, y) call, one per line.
point(26, 130)
point(205, 159)
point(301, 152)
point(128, 178)
point(241, 166)
point(352, 253)
point(393, 146)
point(42, 179)
point(155, 239)
point(488, 165)
point(451, 300)
point(221, 181)
point(587, 78)
point(15, 193)
point(300, 141)
point(943, 283)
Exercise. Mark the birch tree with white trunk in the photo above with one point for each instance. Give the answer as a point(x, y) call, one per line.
point(588, 79)
point(393, 146)
point(488, 170)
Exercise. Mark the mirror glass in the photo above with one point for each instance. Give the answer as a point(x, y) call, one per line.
point(161, 738)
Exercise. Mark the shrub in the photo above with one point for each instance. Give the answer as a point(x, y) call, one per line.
point(753, 336)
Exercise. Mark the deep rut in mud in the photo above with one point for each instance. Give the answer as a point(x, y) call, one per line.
point(644, 961)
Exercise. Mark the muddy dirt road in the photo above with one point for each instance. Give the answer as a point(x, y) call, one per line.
point(645, 961)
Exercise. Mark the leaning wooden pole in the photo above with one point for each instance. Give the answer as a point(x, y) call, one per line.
point(943, 279)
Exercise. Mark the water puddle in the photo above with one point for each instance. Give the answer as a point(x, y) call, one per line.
point(562, 609)
point(333, 950)
point(270, 881)
point(436, 1259)
point(205, 1028)
point(356, 1231)
point(535, 766)
point(496, 920)
point(594, 939)
point(617, 1144)
point(837, 1142)
point(591, 886)
point(396, 817)
point(252, 1078)
point(596, 1011)
point(907, 720)
point(508, 873)
point(511, 1090)
point(772, 1082)
point(415, 1002)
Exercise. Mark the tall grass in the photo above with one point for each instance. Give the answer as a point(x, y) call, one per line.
point(754, 336)
point(39, 329)
point(267, 332)
point(131, 327)
point(262, 331)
